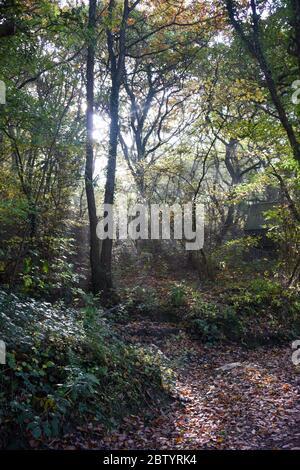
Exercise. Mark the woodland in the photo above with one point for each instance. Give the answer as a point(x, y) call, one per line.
point(143, 344)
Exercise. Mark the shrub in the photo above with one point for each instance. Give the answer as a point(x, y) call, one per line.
point(234, 252)
point(65, 367)
point(256, 312)
point(268, 311)
point(212, 322)
point(178, 295)
point(140, 299)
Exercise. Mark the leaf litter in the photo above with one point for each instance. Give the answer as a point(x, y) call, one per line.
point(224, 397)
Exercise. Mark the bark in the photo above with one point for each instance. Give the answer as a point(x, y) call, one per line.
point(117, 64)
point(294, 274)
point(197, 259)
point(106, 252)
point(236, 178)
point(89, 166)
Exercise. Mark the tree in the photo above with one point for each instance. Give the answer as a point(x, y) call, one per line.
point(41, 130)
point(133, 33)
point(253, 42)
point(116, 46)
point(89, 166)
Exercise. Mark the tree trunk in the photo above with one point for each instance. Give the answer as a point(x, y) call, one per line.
point(106, 252)
point(89, 167)
point(117, 64)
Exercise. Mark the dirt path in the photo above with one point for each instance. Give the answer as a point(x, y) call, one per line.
point(254, 405)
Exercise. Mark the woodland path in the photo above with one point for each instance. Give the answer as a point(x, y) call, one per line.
point(254, 405)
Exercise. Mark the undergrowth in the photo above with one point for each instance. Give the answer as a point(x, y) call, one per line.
point(254, 312)
point(65, 367)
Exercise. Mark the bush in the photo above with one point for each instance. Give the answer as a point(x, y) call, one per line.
point(141, 300)
point(178, 295)
point(212, 322)
point(233, 253)
point(256, 312)
point(65, 367)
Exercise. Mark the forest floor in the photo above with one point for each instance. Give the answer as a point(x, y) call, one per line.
point(252, 405)
point(224, 396)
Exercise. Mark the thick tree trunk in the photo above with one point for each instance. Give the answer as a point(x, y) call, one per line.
point(89, 167)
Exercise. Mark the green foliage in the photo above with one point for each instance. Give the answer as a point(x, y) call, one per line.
point(141, 300)
point(178, 295)
point(233, 252)
point(212, 322)
point(258, 292)
point(66, 367)
point(269, 311)
point(48, 271)
point(252, 312)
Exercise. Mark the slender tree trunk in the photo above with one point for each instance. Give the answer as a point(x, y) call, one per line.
point(236, 179)
point(106, 252)
point(291, 204)
point(117, 64)
point(89, 167)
